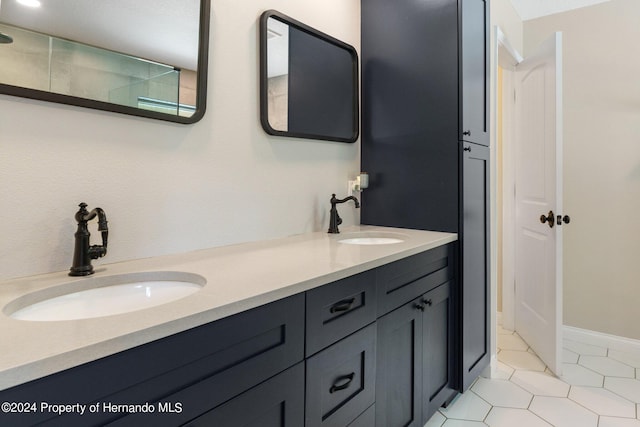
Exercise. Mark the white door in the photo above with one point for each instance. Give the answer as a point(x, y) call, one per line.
point(538, 179)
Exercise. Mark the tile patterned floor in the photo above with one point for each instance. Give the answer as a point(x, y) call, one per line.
point(600, 387)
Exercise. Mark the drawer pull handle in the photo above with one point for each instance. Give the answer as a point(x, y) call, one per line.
point(343, 305)
point(419, 307)
point(342, 382)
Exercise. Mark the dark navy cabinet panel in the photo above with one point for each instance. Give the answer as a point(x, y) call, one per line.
point(366, 419)
point(474, 71)
point(339, 309)
point(438, 350)
point(278, 402)
point(341, 380)
point(400, 367)
point(475, 268)
point(410, 113)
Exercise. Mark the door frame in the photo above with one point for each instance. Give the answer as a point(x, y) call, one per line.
point(507, 57)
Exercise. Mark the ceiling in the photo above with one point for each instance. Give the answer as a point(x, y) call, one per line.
point(164, 31)
point(531, 9)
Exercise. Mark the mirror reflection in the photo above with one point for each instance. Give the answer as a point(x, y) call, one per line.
point(309, 82)
point(143, 58)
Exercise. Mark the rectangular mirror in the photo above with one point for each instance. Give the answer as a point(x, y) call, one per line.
point(145, 58)
point(308, 81)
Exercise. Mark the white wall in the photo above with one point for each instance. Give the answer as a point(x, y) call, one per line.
point(601, 163)
point(505, 16)
point(170, 188)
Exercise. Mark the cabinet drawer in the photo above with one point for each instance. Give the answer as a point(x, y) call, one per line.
point(276, 402)
point(341, 380)
point(339, 309)
point(404, 280)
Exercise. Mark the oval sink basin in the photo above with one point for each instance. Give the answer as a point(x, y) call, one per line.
point(104, 296)
point(372, 238)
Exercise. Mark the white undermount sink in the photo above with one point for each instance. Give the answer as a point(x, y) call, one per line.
point(372, 238)
point(100, 296)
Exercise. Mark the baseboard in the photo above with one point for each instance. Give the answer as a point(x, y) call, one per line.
point(601, 339)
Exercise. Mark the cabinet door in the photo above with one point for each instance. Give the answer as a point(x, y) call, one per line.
point(474, 69)
point(475, 262)
point(278, 402)
point(437, 349)
point(400, 369)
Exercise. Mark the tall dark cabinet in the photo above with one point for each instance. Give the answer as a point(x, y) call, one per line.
point(425, 142)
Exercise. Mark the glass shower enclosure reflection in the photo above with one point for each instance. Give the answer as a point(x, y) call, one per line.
point(47, 63)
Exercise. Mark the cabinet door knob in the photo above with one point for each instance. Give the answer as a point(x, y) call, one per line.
point(467, 149)
point(343, 305)
point(566, 219)
point(428, 302)
point(467, 133)
point(342, 382)
point(419, 307)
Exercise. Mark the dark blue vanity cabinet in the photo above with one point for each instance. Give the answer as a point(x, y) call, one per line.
point(416, 339)
point(425, 138)
point(337, 355)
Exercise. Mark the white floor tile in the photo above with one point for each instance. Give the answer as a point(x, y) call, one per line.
point(436, 420)
point(603, 402)
point(631, 359)
point(599, 388)
point(618, 422)
point(562, 412)
point(511, 342)
point(502, 393)
point(607, 366)
point(569, 356)
point(540, 383)
point(625, 387)
point(461, 423)
point(498, 371)
point(584, 349)
point(510, 417)
point(468, 406)
point(521, 360)
point(579, 375)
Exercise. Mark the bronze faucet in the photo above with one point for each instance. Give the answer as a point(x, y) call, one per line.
point(334, 218)
point(84, 252)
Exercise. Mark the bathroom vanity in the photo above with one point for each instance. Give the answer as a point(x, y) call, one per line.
point(302, 331)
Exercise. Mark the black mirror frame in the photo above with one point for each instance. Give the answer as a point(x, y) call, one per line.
point(201, 94)
point(264, 119)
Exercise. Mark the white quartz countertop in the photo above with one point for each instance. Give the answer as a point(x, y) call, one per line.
point(239, 277)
